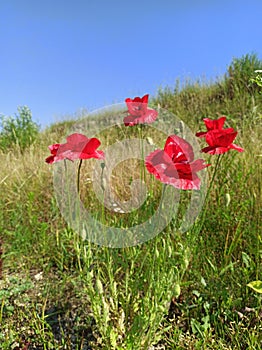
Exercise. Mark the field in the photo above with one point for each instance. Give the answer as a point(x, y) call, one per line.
point(178, 290)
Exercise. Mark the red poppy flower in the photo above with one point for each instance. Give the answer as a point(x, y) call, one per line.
point(139, 113)
point(219, 140)
point(53, 158)
point(78, 146)
point(175, 165)
point(216, 124)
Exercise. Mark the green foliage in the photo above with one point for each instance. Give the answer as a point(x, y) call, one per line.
point(18, 130)
point(240, 72)
point(256, 285)
point(257, 79)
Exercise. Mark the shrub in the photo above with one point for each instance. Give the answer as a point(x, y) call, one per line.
point(239, 73)
point(18, 130)
point(257, 79)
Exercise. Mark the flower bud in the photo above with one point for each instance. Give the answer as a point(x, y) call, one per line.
point(177, 290)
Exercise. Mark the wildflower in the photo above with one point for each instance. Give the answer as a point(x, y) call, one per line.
point(219, 140)
point(78, 146)
point(138, 111)
point(216, 124)
point(53, 158)
point(175, 165)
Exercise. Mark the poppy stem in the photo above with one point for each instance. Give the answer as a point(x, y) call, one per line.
point(197, 227)
point(212, 179)
point(203, 216)
point(152, 275)
point(161, 203)
point(78, 175)
point(141, 139)
point(103, 189)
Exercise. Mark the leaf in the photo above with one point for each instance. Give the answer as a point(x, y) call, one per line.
point(256, 285)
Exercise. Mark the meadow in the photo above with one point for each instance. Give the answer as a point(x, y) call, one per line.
point(177, 290)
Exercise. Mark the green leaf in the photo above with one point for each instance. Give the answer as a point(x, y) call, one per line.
point(256, 285)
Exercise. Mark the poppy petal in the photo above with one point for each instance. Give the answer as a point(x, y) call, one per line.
point(236, 147)
point(220, 138)
point(214, 124)
point(149, 116)
point(178, 149)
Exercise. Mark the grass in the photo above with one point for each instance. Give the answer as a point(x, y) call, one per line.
point(175, 291)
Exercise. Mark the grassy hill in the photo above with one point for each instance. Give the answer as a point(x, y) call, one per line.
point(175, 291)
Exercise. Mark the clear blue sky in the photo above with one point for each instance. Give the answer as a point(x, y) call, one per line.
point(59, 56)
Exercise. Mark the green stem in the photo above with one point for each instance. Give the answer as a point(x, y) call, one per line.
point(67, 190)
point(204, 210)
point(78, 176)
point(142, 169)
point(161, 201)
point(196, 229)
point(103, 189)
point(159, 216)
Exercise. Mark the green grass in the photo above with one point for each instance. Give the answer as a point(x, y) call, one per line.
point(176, 291)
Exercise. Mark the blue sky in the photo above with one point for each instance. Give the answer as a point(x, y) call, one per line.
point(59, 57)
